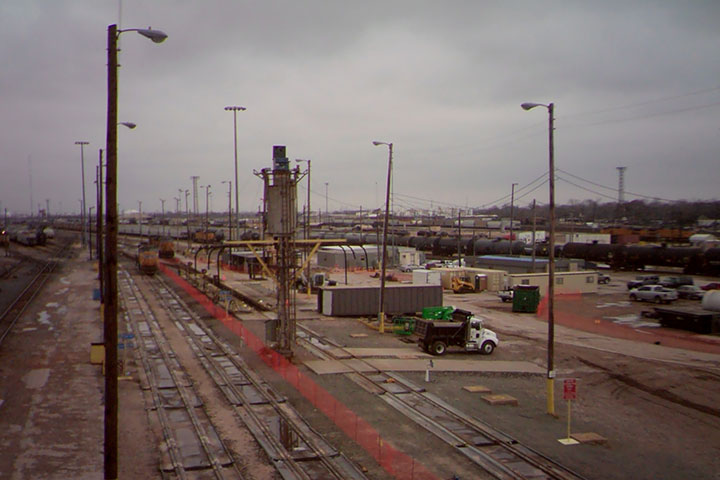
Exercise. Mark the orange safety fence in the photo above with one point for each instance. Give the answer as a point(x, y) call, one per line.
point(395, 462)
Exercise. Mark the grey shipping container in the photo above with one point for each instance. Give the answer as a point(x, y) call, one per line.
point(359, 301)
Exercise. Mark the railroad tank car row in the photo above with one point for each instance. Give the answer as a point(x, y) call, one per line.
point(28, 236)
point(693, 260)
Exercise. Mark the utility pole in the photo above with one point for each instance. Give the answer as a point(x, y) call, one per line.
point(162, 218)
point(459, 239)
point(194, 179)
point(512, 206)
point(533, 237)
point(82, 167)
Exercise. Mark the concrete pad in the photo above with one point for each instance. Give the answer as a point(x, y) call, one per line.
point(477, 389)
point(446, 365)
point(500, 399)
point(589, 437)
point(361, 352)
point(324, 367)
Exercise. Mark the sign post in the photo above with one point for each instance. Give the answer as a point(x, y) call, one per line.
point(569, 394)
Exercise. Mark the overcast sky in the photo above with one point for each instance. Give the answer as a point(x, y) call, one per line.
point(634, 83)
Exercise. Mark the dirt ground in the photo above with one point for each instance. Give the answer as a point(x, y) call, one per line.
point(655, 404)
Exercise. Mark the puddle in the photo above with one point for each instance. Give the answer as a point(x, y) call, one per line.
point(36, 378)
point(44, 318)
point(632, 320)
point(613, 304)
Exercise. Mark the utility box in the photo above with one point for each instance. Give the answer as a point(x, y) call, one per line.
point(526, 298)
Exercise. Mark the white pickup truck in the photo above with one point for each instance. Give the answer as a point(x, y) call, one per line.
point(653, 293)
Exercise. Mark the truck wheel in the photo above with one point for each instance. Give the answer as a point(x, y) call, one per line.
point(487, 347)
point(438, 348)
point(658, 299)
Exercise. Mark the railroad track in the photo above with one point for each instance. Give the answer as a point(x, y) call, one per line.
point(293, 447)
point(494, 451)
point(45, 268)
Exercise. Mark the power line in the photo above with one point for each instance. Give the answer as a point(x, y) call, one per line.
point(642, 104)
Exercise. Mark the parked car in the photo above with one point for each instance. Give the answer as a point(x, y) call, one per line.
point(653, 293)
point(711, 286)
point(506, 295)
point(643, 280)
point(603, 278)
point(675, 282)
point(409, 268)
point(691, 292)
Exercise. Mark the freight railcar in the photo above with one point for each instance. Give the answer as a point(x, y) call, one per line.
point(166, 248)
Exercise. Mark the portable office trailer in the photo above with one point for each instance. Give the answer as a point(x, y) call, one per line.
point(360, 301)
point(565, 282)
point(426, 277)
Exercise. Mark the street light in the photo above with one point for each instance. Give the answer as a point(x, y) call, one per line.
point(207, 206)
point(236, 109)
point(187, 219)
point(381, 314)
point(512, 205)
point(551, 259)
point(100, 226)
point(82, 207)
point(327, 212)
point(162, 217)
point(307, 220)
point(229, 182)
point(111, 305)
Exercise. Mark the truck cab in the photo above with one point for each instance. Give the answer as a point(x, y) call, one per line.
point(479, 338)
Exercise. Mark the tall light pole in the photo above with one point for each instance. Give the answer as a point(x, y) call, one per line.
point(512, 206)
point(551, 260)
point(327, 212)
point(140, 218)
point(229, 182)
point(162, 216)
point(307, 220)
point(381, 314)
point(236, 109)
point(207, 205)
point(83, 206)
point(89, 227)
point(111, 304)
point(187, 219)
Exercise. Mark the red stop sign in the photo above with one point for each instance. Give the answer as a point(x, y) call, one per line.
point(569, 389)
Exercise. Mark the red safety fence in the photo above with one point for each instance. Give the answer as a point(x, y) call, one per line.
point(395, 462)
